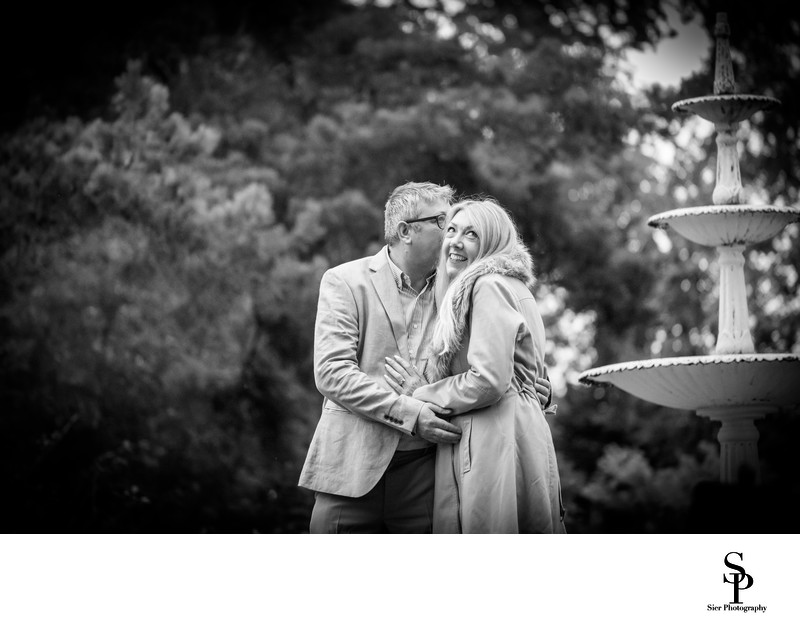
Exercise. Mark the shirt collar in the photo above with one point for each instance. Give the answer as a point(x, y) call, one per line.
point(401, 279)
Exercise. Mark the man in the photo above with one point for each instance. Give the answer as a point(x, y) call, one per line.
point(371, 460)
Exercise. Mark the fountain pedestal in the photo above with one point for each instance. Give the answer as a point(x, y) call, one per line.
point(738, 440)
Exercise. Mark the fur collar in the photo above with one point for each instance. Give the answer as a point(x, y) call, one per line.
point(454, 310)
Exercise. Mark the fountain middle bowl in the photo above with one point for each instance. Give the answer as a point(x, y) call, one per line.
point(712, 381)
point(727, 224)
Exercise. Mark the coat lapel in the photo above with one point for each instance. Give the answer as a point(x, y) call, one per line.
point(386, 289)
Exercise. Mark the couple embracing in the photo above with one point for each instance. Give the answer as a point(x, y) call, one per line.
point(430, 358)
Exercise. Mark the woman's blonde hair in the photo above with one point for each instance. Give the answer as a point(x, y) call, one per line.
point(500, 239)
point(495, 228)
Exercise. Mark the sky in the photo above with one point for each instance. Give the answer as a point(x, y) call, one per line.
point(673, 59)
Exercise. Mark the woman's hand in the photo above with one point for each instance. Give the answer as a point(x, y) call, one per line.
point(402, 376)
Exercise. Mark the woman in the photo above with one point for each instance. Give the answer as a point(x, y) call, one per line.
point(487, 351)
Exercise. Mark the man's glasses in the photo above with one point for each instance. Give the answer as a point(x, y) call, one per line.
point(439, 219)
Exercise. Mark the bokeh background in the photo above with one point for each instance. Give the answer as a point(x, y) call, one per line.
point(176, 176)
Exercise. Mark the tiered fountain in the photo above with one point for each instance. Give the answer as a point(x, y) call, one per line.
point(735, 385)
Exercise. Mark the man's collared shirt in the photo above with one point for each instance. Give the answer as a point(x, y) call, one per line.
point(419, 312)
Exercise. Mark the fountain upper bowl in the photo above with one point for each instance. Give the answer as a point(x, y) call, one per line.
point(726, 109)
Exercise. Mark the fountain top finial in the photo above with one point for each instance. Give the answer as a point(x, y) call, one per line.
point(721, 28)
point(725, 107)
point(723, 71)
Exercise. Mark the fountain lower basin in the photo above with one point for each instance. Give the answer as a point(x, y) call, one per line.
point(734, 389)
point(707, 382)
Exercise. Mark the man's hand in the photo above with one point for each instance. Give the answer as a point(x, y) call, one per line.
point(435, 429)
point(543, 391)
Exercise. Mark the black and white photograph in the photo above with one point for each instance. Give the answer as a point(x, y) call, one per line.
point(446, 278)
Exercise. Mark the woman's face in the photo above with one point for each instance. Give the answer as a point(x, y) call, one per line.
point(461, 244)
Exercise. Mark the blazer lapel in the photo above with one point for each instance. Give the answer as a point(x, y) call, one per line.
point(386, 289)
